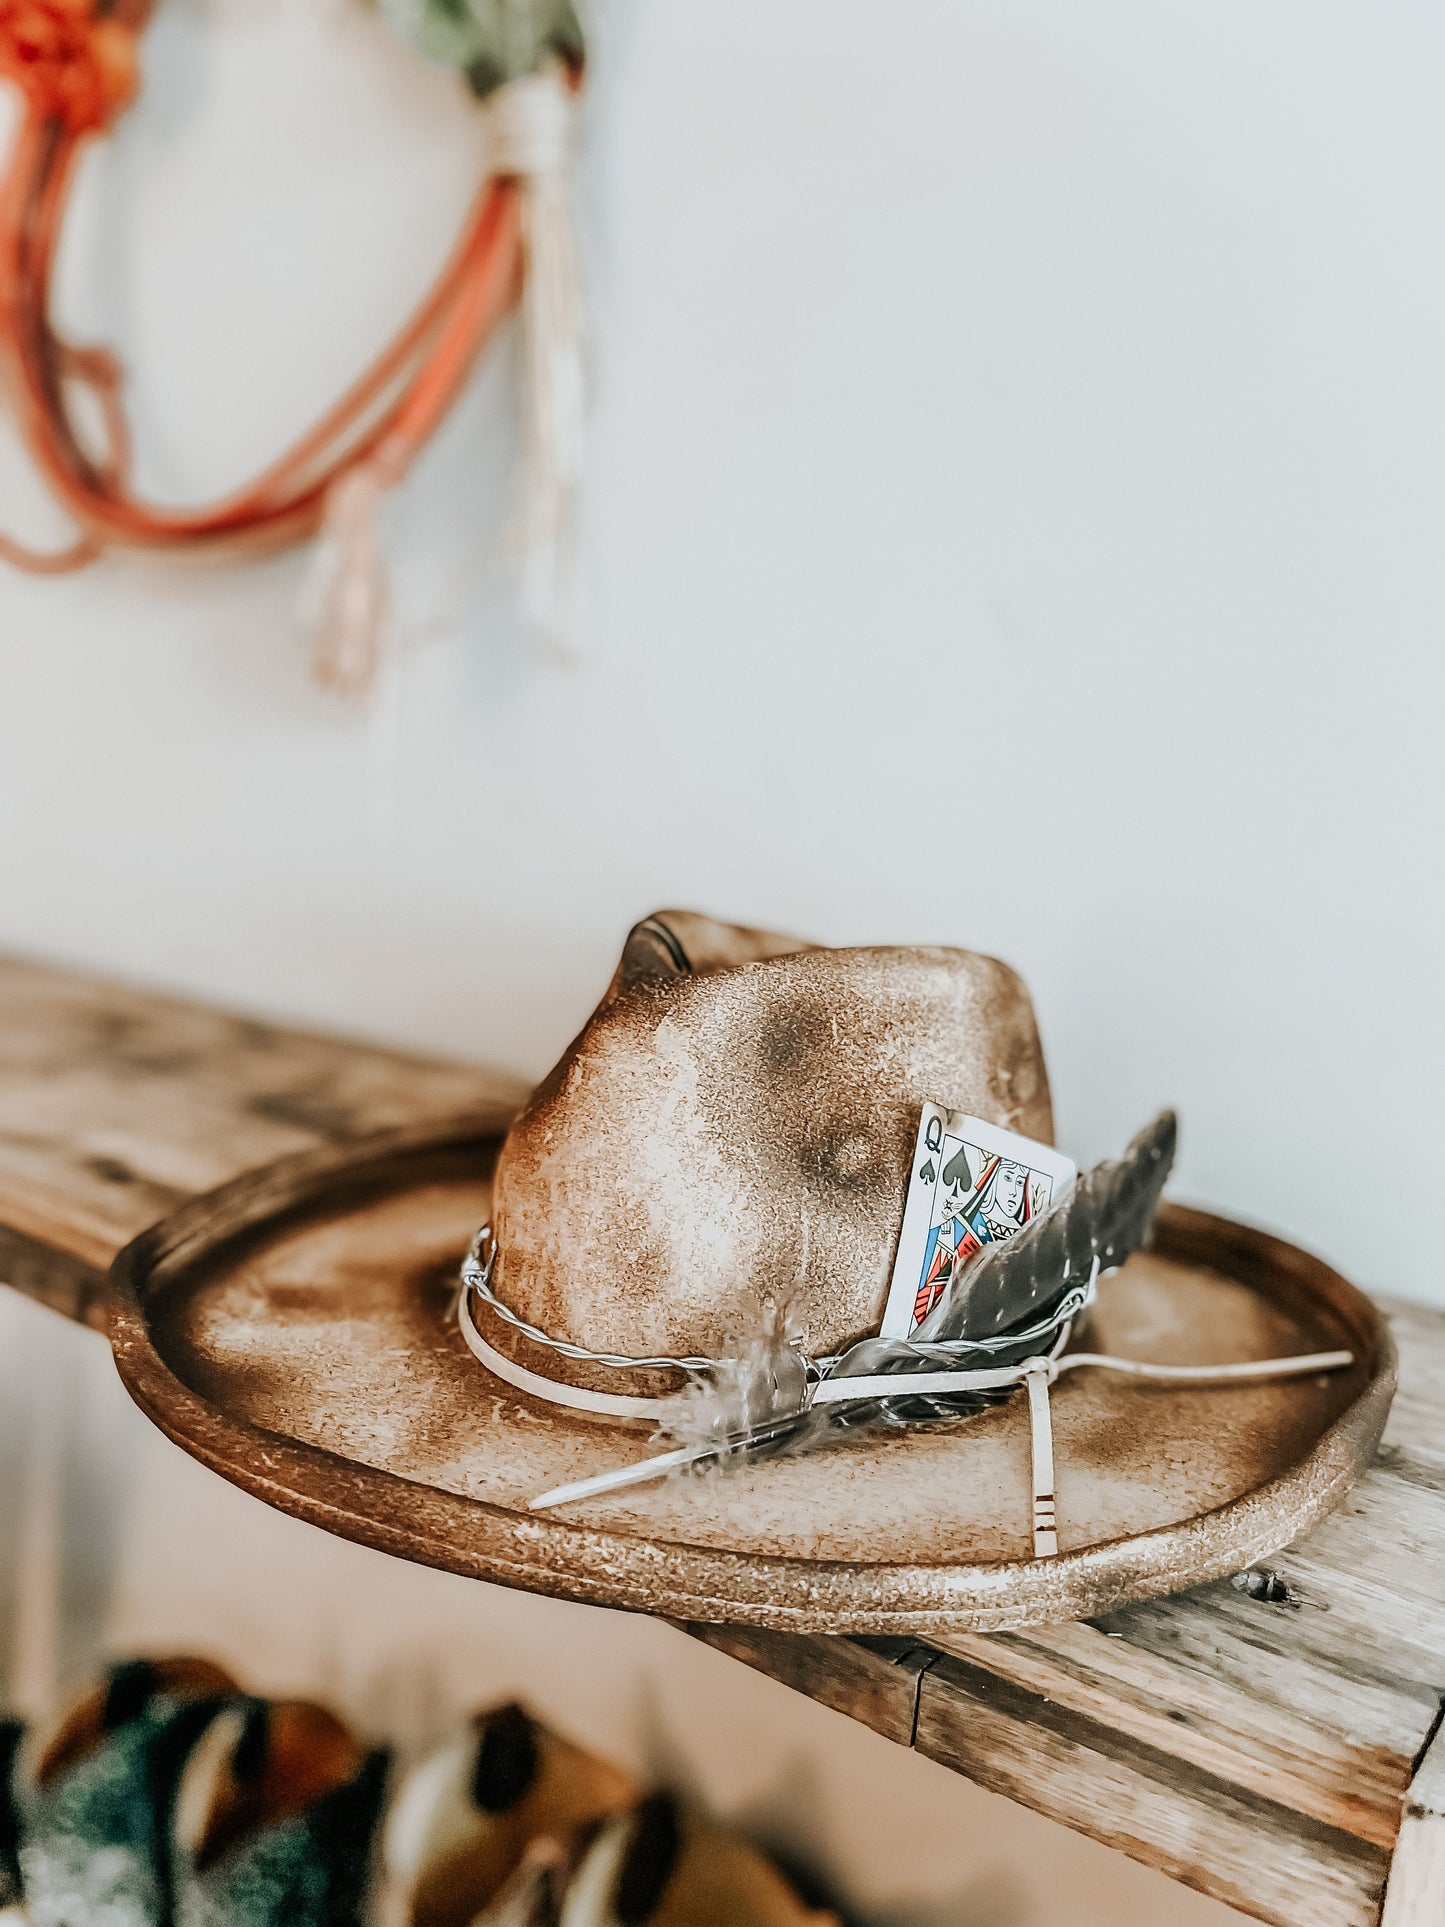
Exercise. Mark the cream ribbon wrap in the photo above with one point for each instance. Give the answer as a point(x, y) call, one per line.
point(347, 605)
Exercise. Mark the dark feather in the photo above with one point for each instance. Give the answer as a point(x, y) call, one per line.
point(1010, 1291)
point(1108, 1214)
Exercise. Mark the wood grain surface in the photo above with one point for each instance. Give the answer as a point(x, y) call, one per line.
point(1277, 1744)
point(1416, 1891)
point(117, 1104)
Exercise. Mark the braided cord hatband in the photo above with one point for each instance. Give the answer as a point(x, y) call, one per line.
point(477, 1269)
point(481, 1260)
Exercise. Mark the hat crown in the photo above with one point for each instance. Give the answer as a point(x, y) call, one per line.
point(732, 1131)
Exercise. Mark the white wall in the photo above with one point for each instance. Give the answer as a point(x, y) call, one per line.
point(1014, 519)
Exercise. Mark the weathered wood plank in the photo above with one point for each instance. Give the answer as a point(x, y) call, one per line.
point(1268, 1820)
point(1278, 1656)
point(1251, 1823)
point(1415, 1896)
point(1246, 1740)
point(1414, 1426)
point(1254, 1853)
point(116, 1104)
point(875, 1681)
point(1377, 1566)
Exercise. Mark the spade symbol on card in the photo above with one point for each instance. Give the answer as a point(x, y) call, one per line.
point(956, 1174)
point(927, 1174)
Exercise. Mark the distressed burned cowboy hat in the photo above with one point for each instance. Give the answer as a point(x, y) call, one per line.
point(703, 1218)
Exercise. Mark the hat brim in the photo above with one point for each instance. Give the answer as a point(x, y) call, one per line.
point(295, 1331)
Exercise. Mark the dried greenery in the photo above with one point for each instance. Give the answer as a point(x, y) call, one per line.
point(489, 41)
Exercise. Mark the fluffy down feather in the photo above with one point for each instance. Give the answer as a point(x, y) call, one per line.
point(763, 1380)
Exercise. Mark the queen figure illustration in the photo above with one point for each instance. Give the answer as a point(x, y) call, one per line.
point(975, 1210)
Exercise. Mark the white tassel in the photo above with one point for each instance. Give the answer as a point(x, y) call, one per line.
point(531, 133)
point(530, 137)
point(347, 599)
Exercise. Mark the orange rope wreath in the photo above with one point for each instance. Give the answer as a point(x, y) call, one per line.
point(75, 64)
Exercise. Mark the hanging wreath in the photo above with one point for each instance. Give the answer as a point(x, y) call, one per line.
point(75, 64)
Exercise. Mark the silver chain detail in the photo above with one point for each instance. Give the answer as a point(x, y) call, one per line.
point(477, 1268)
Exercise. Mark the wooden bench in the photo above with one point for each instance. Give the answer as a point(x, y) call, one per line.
point(1273, 1741)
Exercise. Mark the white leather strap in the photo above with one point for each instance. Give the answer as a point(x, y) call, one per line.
point(1041, 1442)
point(848, 1391)
point(606, 1404)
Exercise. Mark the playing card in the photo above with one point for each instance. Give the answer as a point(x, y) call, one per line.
point(970, 1183)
